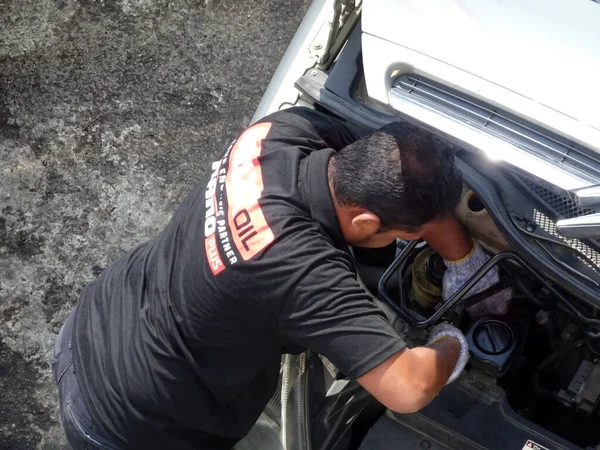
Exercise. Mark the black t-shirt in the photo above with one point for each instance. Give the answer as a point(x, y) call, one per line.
point(182, 337)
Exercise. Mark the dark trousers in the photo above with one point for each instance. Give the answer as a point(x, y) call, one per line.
point(77, 422)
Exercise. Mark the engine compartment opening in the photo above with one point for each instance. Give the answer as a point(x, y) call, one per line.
point(474, 203)
point(542, 358)
point(534, 372)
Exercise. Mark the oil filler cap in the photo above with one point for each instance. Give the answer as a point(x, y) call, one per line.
point(493, 337)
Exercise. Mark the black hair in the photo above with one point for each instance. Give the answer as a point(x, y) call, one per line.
point(399, 173)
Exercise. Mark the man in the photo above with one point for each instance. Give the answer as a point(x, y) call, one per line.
point(177, 345)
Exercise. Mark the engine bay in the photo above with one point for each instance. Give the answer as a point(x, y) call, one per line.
point(533, 378)
point(541, 358)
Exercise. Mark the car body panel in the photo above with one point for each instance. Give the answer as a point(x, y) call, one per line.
point(295, 61)
point(503, 51)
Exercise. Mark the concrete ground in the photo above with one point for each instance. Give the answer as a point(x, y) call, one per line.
point(110, 110)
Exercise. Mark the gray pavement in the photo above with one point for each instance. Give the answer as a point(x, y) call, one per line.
point(110, 111)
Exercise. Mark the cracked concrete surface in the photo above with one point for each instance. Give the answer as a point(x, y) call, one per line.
point(110, 110)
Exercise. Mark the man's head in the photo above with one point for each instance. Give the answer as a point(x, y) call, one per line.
point(392, 183)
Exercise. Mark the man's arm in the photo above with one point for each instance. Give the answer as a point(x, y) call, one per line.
point(411, 379)
point(449, 238)
point(327, 311)
point(463, 257)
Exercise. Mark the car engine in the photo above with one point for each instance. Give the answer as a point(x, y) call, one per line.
point(533, 378)
point(541, 359)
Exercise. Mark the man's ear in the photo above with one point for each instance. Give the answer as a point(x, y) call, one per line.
point(366, 220)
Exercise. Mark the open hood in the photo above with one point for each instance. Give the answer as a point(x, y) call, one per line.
point(545, 51)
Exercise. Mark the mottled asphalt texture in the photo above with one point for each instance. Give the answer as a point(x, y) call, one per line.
point(110, 111)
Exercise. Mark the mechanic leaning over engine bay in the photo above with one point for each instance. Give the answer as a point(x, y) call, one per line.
point(178, 344)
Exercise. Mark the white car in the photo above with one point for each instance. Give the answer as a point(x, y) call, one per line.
point(514, 87)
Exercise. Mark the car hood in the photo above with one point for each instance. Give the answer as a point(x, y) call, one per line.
point(547, 51)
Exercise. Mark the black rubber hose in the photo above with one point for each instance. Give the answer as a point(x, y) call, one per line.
point(547, 363)
point(397, 265)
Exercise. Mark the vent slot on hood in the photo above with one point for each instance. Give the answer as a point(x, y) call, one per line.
point(477, 114)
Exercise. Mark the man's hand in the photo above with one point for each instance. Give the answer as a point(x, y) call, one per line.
point(459, 272)
point(446, 331)
point(412, 378)
point(463, 258)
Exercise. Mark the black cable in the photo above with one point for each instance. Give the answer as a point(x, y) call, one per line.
point(398, 264)
point(547, 363)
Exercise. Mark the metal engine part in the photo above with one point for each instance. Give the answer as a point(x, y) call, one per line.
point(472, 214)
point(427, 274)
point(583, 392)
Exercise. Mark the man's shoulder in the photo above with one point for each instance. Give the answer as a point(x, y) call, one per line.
point(298, 122)
point(301, 244)
point(299, 115)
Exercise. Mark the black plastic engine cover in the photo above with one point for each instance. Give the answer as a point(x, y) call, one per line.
point(461, 419)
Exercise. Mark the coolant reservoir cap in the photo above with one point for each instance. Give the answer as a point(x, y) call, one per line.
point(493, 337)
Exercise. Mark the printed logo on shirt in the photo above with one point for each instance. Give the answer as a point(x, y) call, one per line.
point(210, 222)
point(235, 226)
point(244, 186)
